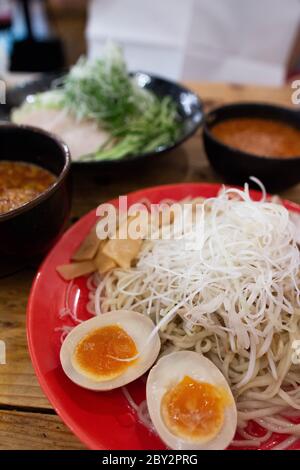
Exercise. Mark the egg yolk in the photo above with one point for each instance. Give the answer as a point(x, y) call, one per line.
point(98, 353)
point(194, 410)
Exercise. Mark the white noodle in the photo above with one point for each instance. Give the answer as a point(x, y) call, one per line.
point(235, 299)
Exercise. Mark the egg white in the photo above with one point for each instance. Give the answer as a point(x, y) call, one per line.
point(137, 326)
point(167, 373)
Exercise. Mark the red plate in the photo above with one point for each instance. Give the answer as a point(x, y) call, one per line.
point(100, 420)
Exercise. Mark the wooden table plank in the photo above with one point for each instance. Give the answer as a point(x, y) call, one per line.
point(22, 431)
point(18, 385)
point(231, 93)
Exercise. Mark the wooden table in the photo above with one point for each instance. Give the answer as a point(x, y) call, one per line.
point(27, 420)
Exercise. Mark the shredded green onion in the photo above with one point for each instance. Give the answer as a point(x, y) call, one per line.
point(138, 121)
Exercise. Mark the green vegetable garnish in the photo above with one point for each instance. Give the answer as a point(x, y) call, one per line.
point(137, 120)
point(102, 90)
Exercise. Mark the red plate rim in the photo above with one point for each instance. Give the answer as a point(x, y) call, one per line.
point(136, 195)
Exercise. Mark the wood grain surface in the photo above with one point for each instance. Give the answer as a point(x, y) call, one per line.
point(26, 418)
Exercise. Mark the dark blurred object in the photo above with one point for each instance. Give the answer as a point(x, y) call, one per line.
point(30, 55)
point(33, 55)
point(5, 23)
point(5, 34)
point(235, 165)
point(5, 15)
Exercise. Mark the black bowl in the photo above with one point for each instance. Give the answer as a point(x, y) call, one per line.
point(28, 232)
point(188, 104)
point(235, 165)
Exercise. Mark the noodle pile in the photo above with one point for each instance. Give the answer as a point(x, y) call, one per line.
point(227, 288)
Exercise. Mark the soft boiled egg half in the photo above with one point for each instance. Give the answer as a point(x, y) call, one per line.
point(110, 350)
point(190, 403)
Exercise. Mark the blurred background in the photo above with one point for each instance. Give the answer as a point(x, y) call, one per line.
point(221, 40)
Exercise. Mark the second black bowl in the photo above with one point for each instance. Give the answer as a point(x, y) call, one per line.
point(237, 166)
